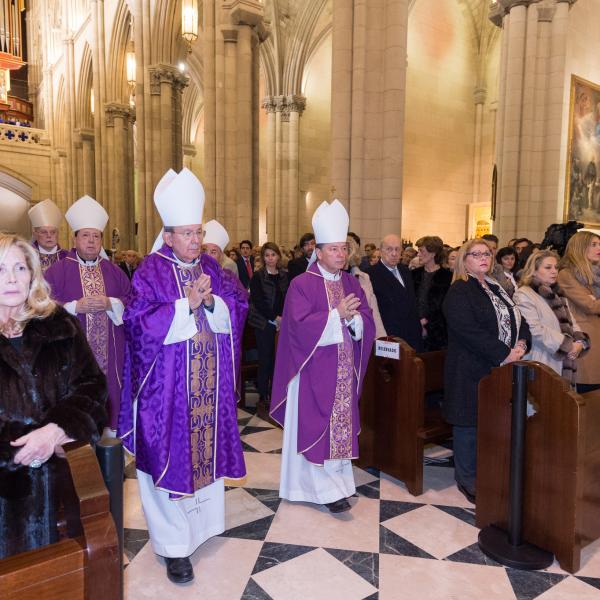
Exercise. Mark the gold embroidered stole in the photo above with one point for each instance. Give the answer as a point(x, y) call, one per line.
point(96, 324)
point(202, 369)
point(47, 260)
point(340, 423)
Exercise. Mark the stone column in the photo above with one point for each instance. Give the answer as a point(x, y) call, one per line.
point(98, 100)
point(71, 158)
point(479, 98)
point(529, 123)
point(296, 105)
point(119, 201)
point(367, 124)
point(210, 106)
point(270, 106)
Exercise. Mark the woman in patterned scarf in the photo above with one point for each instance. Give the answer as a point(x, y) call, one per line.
point(485, 330)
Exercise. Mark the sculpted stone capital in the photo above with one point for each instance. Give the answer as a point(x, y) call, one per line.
point(166, 74)
point(269, 104)
point(479, 95)
point(115, 110)
point(245, 12)
point(296, 103)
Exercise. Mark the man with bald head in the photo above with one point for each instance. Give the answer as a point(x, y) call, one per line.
point(393, 287)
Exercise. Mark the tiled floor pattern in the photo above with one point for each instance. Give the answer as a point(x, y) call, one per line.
point(390, 546)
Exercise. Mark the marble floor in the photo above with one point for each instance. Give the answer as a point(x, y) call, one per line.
point(390, 546)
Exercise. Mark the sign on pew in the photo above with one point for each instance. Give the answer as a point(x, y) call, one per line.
point(387, 349)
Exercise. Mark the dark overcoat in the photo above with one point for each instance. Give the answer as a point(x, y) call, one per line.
point(473, 347)
point(437, 334)
point(53, 378)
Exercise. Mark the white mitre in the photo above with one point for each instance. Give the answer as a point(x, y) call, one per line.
point(330, 223)
point(45, 214)
point(179, 200)
point(86, 213)
point(215, 233)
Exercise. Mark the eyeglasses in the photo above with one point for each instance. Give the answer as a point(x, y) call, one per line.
point(188, 235)
point(479, 254)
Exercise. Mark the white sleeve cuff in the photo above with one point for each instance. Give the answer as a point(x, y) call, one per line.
point(218, 319)
point(183, 326)
point(71, 307)
point(116, 312)
point(332, 334)
point(356, 323)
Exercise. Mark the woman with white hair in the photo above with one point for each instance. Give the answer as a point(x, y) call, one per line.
point(51, 392)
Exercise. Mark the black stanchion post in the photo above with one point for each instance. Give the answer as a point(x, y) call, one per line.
point(111, 459)
point(508, 548)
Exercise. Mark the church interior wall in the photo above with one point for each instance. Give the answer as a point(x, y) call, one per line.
point(439, 125)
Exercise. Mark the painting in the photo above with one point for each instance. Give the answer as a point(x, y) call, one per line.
point(582, 184)
point(479, 219)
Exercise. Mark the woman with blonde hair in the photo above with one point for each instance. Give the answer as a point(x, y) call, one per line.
point(579, 277)
point(555, 337)
point(51, 392)
point(485, 330)
point(364, 280)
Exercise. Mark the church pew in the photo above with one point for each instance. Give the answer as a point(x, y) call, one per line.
point(561, 511)
point(396, 421)
point(84, 565)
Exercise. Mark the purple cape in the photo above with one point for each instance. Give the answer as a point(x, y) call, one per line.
point(155, 417)
point(304, 318)
point(65, 282)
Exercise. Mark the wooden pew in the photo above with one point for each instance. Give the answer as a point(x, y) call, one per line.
point(396, 422)
point(85, 565)
point(562, 462)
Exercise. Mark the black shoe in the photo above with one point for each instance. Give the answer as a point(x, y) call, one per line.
point(470, 496)
point(339, 506)
point(179, 570)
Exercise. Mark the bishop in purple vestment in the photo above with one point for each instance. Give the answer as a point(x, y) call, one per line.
point(327, 332)
point(96, 291)
point(178, 410)
point(45, 219)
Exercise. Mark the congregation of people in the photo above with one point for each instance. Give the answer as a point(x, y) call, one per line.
point(149, 349)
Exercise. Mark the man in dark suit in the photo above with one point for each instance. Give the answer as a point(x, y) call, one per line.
point(245, 263)
point(393, 288)
point(299, 265)
point(130, 263)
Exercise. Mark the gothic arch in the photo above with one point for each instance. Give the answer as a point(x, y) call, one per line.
point(118, 90)
point(83, 113)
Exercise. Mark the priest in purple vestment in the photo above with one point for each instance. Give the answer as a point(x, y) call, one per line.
point(327, 333)
point(95, 290)
point(178, 411)
point(45, 219)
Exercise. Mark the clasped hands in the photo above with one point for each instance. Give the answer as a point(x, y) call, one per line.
point(201, 292)
point(348, 307)
point(516, 353)
point(39, 444)
point(93, 304)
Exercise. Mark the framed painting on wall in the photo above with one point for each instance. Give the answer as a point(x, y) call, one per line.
point(479, 219)
point(582, 182)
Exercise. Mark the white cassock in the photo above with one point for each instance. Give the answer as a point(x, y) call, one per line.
point(178, 527)
point(301, 480)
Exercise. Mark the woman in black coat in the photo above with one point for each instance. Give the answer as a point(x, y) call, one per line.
point(485, 330)
point(268, 288)
point(51, 392)
point(432, 282)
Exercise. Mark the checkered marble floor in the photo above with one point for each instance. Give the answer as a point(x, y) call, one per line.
point(390, 546)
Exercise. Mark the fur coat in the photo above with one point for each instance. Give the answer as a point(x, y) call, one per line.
point(52, 378)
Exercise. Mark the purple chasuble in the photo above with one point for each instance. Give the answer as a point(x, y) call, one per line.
point(178, 409)
point(70, 281)
point(47, 260)
point(330, 376)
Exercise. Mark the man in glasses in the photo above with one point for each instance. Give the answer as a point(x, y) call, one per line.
point(178, 414)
